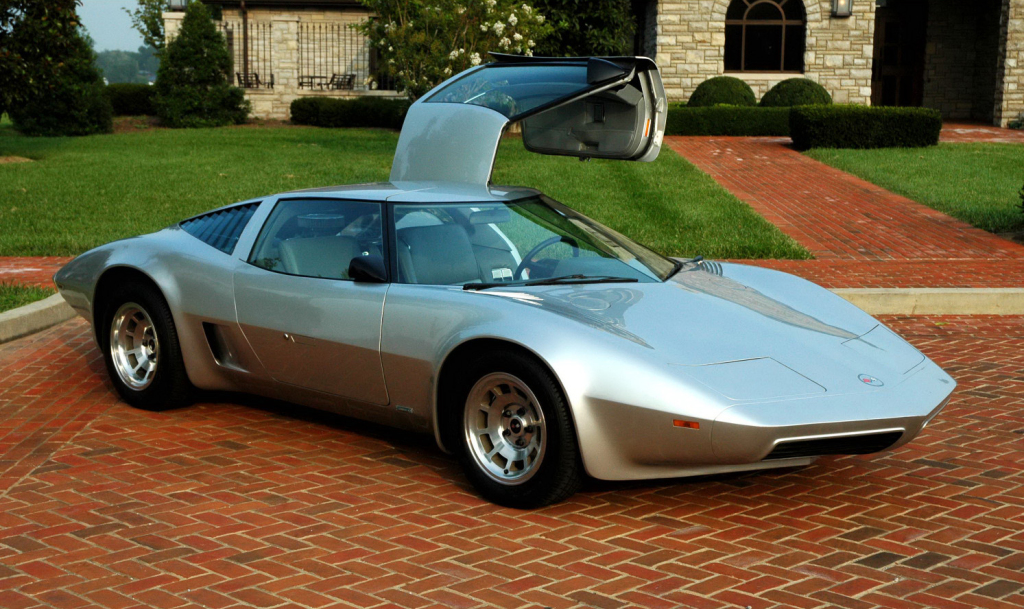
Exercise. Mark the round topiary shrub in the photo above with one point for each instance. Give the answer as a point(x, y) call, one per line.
point(796, 92)
point(722, 90)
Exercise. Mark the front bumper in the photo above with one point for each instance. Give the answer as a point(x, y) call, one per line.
point(746, 433)
point(626, 442)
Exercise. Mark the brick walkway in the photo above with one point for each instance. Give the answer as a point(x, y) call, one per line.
point(976, 132)
point(269, 505)
point(30, 270)
point(860, 234)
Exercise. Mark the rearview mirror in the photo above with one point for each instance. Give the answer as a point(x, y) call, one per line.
point(625, 122)
point(368, 269)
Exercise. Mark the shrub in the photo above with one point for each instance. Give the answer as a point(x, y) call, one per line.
point(193, 83)
point(74, 102)
point(131, 99)
point(727, 120)
point(380, 112)
point(848, 126)
point(796, 92)
point(423, 43)
point(722, 90)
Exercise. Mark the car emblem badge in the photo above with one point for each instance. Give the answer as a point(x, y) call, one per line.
point(870, 380)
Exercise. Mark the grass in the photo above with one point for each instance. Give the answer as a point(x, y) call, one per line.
point(83, 192)
point(13, 296)
point(977, 183)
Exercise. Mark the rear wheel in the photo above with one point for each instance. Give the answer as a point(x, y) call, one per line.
point(141, 350)
point(518, 445)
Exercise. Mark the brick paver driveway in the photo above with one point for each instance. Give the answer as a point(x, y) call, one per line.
point(265, 504)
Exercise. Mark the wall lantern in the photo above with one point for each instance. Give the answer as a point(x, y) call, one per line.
point(842, 8)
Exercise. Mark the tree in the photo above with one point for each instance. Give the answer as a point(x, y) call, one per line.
point(73, 101)
point(148, 59)
point(423, 42)
point(118, 66)
point(193, 83)
point(148, 19)
point(34, 38)
point(584, 28)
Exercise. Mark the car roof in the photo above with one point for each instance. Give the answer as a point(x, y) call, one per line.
point(418, 192)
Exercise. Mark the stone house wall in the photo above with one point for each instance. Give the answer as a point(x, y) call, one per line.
point(1009, 98)
point(691, 48)
point(275, 103)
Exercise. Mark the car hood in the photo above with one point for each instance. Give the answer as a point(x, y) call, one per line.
point(717, 313)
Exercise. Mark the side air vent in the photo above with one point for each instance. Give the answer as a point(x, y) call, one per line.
point(846, 445)
point(221, 229)
point(220, 346)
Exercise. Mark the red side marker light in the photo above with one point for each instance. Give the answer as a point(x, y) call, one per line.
point(686, 424)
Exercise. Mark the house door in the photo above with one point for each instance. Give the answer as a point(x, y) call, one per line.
point(898, 70)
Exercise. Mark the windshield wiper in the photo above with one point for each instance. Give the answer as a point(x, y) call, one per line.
point(561, 280)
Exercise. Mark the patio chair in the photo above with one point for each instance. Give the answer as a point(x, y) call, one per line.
point(342, 81)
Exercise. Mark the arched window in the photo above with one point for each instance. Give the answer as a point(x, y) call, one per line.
point(765, 36)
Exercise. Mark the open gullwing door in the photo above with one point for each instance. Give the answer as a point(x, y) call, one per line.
point(587, 107)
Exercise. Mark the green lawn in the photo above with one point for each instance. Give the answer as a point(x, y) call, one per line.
point(14, 296)
point(82, 192)
point(977, 183)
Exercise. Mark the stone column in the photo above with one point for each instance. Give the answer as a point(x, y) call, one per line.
point(172, 21)
point(1009, 98)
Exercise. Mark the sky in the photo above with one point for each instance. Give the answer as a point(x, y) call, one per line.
point(109, 25)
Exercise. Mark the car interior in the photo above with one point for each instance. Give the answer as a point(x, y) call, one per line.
point(439, 244)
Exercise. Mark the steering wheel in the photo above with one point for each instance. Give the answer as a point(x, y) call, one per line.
point(528, 258)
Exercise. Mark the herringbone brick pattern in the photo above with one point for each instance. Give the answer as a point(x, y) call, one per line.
point(243, 503)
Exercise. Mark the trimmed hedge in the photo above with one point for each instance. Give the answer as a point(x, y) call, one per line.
point(722, 90)
point(848, 126)
point(380, 112)
point(131, 99)
point(727, 120)
point(796, 92)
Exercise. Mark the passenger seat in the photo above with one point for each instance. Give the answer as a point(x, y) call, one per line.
point(326, 257)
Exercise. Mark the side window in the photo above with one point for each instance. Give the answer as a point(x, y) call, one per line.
point(318, 237)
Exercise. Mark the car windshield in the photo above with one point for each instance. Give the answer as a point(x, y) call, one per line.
point(514, 89)
point(515, 243)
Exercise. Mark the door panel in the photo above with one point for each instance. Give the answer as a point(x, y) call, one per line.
point(307, 321)
point(319, 334)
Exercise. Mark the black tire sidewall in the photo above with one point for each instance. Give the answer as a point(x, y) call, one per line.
point(170, 386)
point(560, 471)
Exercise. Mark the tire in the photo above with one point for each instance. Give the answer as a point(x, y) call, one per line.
point(530, 409)
point(145, 334)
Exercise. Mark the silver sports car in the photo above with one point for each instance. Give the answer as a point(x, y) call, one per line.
point(535, 344)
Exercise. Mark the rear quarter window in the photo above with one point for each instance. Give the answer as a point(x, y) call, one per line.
point(221, 229)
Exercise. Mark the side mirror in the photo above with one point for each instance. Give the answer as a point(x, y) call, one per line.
point(368, 269)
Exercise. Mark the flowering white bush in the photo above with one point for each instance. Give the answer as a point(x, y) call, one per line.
point(423, 42)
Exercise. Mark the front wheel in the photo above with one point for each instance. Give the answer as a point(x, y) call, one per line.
point(141, 351)
point(518, 444)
